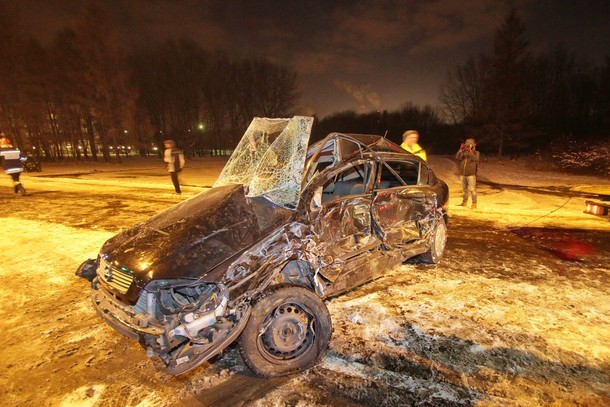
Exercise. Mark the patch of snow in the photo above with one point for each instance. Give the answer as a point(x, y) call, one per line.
point(437, 391)
point(357, 319)
point(85, 396)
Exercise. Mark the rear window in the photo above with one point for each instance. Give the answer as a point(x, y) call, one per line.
point(407, 171)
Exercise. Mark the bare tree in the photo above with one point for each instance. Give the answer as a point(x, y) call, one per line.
point(504, 87)
point(461, 95)
point(11, 65)
point(106, 77)
point(170, 79)
point(490, 93)
point(275, 89)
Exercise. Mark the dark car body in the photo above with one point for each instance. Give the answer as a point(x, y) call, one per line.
point(185, 282)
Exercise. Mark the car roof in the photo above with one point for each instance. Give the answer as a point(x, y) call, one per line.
point(345, 145)
point(339, 148)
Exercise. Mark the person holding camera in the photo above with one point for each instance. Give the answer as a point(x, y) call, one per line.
point(469, 157)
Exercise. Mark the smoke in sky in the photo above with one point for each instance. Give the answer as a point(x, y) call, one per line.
point(362, 94)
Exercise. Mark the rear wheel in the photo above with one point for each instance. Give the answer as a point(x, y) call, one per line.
point(437, 243)
point(288, 332)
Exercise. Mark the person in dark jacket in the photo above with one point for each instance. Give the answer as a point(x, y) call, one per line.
point(12, 164)
point(469, 165)
point(175, 162)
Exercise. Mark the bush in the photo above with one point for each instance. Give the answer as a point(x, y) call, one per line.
point(591, 158)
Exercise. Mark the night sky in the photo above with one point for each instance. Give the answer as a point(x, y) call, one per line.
point(360, 55)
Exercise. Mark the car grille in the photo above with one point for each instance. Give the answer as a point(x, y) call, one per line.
point(116, 278)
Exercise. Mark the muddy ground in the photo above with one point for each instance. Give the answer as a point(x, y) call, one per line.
point(511, 316)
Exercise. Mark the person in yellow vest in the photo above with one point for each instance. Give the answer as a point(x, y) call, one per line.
point(409, 143)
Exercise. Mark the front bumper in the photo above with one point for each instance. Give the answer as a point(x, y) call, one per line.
point(183, 340)
point(122, 317)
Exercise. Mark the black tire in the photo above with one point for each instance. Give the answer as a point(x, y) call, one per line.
point(288, 332)
point(437, 243)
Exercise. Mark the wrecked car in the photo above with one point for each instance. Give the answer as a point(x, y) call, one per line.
point(253, 258)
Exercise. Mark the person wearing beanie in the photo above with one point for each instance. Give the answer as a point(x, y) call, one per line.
point(469, 166)
point(409, 143)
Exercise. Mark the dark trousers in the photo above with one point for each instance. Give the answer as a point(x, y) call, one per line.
point(16, 182)
point(175, 181)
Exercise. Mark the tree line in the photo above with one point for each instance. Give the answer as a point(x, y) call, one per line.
point(86, 96)
point(391, 124)
point(514, 100)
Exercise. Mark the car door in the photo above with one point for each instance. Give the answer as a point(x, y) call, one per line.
point(341, 219)
point(399, 203)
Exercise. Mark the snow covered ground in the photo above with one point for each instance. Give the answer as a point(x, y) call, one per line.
point(517, 313)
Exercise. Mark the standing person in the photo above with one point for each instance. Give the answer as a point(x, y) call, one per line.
point(175, 162)
point(12, 163)
point(468, 170)
point(409, 143)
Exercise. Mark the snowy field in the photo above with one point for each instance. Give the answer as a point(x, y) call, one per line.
point(517, 312)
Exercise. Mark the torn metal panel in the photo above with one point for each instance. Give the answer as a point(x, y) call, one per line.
point(290, 242)
point(343, 228)
point(397, 213)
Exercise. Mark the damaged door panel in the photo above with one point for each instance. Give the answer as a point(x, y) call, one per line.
point(395, 218)
point(344, 230)
point(398, 214)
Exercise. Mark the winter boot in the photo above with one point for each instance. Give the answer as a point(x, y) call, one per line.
point(19, 189)
point(474, 205)
point(463, 204)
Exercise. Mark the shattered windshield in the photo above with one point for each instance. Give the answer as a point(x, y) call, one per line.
point(269, 159)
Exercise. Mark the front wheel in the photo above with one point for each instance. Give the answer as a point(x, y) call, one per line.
point(437, 243)
point(288, 332)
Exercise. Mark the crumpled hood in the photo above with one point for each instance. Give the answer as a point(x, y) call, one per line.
point(188, 240)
